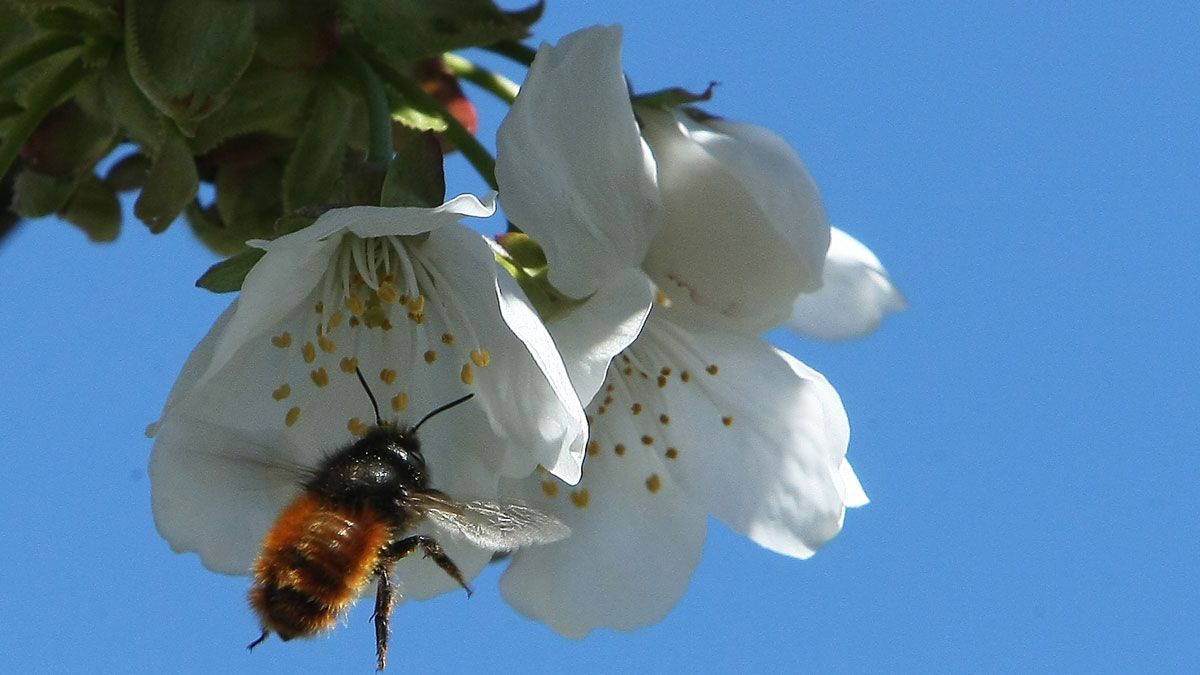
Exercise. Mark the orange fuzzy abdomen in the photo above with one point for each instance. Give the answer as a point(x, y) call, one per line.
point(314, 563)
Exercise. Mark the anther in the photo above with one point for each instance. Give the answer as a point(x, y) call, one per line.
point(320, 377)
point(292, 416)
point(282, 392)
point(282, 341)
point(468, 376)
point(653, 483)
point(400, 402)
point(349, 364)
point(387, 375)
point(580, 498)
point(550, 488)
point(430, 356)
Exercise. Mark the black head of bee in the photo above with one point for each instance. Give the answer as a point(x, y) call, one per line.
point(385, 461)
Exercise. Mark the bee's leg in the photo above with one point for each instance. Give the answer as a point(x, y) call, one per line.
point(260, 639)
point(384, 602)
point(401, 549)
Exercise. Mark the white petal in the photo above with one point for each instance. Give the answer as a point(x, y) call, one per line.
point(232, 446)
point(381, 221)
point(856, 295)
point(589, 336)
point(755, 436)
point(744, 231)
point(274, 288)
point(573, 170)
point(631, 551)
point(525, 387)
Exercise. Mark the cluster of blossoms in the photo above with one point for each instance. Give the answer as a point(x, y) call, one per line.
point(612, 341)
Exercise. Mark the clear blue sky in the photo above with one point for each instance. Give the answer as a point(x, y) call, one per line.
point(1028, 430)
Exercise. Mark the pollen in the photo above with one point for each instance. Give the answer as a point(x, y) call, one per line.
point(713, 369)
point(660, 298)
point(400, 402)
point(727, 420)
point(417, 317)
point(481, 357)
point(309, 352)
point(356, 426)
point(320, 377)
point(292, 416)
point(653, 483)
point(665, 371)
point(326, 344)
point(647, 440)
point(430, 356)
point(619, 449)
point(580, 498)
point(550, 488)
point(387, 292)
point(685, 376)
point(282, 341)
point(593, 448)
point(284, 391)
point(662, 381)
point(672, 453)
point(334, 321)
point(387, 375)
point(468, 375)
point(664, 419)
point(355, 304)
point(636, 408)
point(349, 364)
point(447, 338)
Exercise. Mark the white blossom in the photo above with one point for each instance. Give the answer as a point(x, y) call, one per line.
point(697, 415)
point(416, 301)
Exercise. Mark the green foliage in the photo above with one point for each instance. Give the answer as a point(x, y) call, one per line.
point(410, 30)
point(186, 55)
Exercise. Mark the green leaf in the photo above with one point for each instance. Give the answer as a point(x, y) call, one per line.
point(266, 99)
point(416, 175)
point(417, 120)
point(36, 194)
point(138, 117)
point(249, 199)
point(186, 55)
point(673, 97)
point(95, 210)
point(170, 185)
point(227, 276)
point(402, 31)
point(315, 166)
point(68, 140)
point(128, 173)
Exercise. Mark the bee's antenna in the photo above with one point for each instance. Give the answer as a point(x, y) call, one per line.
point(443, 408)
point(378, 418)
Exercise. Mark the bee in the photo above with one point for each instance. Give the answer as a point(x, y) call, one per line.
point(353, 521)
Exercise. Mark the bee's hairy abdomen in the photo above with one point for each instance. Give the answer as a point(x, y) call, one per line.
point(314, 563)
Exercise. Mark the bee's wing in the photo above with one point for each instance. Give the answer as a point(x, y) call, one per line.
point(497, 526)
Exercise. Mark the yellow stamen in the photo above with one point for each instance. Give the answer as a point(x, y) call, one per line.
point(481, 357)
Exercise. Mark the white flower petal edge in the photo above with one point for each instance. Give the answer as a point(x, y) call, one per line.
point(745, 231)
point(572, 167)
point(857, 294)
point(425, 319)
point(591, 335)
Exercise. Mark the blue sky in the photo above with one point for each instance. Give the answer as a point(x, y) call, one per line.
point(1028, 430)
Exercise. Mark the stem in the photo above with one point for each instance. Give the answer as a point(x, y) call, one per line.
point(379, 112)
point(34, 51)
point(521, 53)
point(492, 82)
point(455, 132)
point(43, 96)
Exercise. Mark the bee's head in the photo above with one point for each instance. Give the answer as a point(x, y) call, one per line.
point(404, 451)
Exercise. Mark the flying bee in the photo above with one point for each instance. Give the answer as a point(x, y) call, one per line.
point(354, 520)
